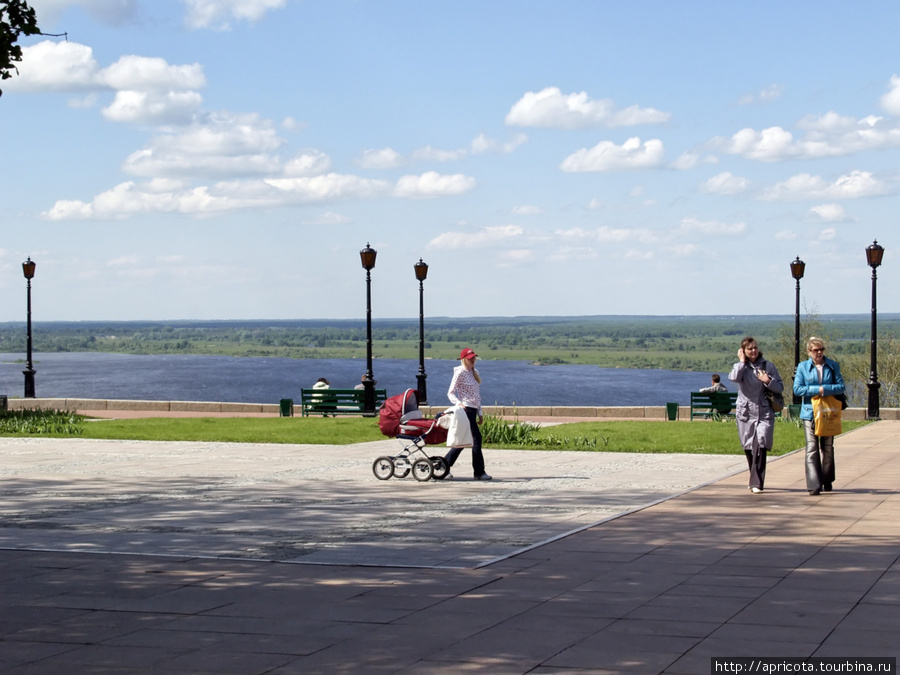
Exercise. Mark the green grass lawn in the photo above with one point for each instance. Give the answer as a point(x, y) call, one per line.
point(307, 430)
point(618, 436)
point(709, 438)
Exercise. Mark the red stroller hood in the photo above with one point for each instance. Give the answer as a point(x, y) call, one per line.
point(394, 408)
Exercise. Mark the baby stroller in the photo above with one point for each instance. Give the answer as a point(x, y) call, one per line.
point(401, 418)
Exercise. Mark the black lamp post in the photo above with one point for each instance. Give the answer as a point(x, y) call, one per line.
point(797, 269)
point(421, 274)
point(28, 270)
point(367, 256)
point(874, 254)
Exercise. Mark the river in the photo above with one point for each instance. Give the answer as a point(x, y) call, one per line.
point(267, 380)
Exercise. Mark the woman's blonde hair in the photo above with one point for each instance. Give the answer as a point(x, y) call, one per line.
point(474, 371)
point(815, 342)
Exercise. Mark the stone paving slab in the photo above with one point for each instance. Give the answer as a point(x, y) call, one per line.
point(316, 504)
point(715, 571)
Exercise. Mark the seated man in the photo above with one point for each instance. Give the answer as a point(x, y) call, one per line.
point(716, 385)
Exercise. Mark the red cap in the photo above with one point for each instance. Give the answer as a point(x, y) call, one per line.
point(467, 353)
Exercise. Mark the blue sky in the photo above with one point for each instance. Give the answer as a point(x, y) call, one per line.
point(228, 159)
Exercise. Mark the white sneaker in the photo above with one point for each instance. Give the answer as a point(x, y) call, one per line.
point(755, 490)
point(448, 476)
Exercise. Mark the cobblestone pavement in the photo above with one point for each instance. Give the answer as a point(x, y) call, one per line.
point(317, 504)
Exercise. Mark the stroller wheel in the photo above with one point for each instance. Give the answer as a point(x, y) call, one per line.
point(401, 467)
point(440, 467)
point(422, 469)
point(383, 468)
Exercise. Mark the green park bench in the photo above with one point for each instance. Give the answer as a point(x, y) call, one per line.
point(712, 404)
point(337, 401)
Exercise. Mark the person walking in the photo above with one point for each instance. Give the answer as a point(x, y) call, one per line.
point(465, 391)
point(755, 377)
point(818, 376)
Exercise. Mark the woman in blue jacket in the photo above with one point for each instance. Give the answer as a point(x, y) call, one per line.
point(819, 376)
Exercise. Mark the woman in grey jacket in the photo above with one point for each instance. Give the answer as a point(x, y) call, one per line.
point(819, 376)
point(755, 417)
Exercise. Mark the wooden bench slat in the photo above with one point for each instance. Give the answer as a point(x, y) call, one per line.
point(707, 404)
point(337, 401)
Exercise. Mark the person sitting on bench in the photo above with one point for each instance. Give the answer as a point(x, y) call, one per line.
point(717, 385)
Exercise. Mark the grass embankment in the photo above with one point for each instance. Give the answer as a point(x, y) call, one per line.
point(717, 437)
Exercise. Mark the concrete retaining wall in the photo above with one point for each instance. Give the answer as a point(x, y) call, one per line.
point(589, 413)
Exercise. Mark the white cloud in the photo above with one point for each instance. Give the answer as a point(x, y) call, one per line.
point(787, 235)
point(527, 210)
point(829, 213)
point(310, 163)
point(481, 144)
point(829, 135)
point(328, 187)
point(131, 198)
point(770, 93)
point(891, 100)
point(607, 156)
point(828, 234)
point(432, 184)
point(152, 74)
point(71, 67)
point(222, 145)
point(386, 158)
point(489, 237)
point(711, 228)
point(687, 160)
point(551, 108)
point(57, 66)
point(606, 234)
point(725, 183)
point(769, 145)
point(219, 14)
point(429, 153)
point(141, 107)
point(828, 123)
point(805, 186)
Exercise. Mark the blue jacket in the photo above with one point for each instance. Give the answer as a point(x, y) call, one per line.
point(806, 383)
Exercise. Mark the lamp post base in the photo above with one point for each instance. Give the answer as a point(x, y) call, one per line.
point(368, 397)
point(29, 382)
point(421, 390)
point(873, 411)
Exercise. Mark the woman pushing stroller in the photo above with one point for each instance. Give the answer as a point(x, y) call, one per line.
point(465, 391)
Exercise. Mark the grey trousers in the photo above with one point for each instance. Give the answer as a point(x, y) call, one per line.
point(819, 459)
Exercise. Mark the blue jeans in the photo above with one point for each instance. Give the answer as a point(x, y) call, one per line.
point(477, 456)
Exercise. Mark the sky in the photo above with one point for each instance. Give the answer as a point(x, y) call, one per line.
point(228, 159)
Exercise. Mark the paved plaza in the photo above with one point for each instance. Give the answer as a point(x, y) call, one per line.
point(153, 557)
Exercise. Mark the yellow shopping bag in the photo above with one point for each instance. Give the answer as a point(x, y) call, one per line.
point(827, 415)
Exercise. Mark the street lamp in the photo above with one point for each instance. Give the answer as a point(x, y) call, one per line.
point(421, 274)
point(28, 270)
point(874, 254)
point(367, 257)
point(797, 269)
